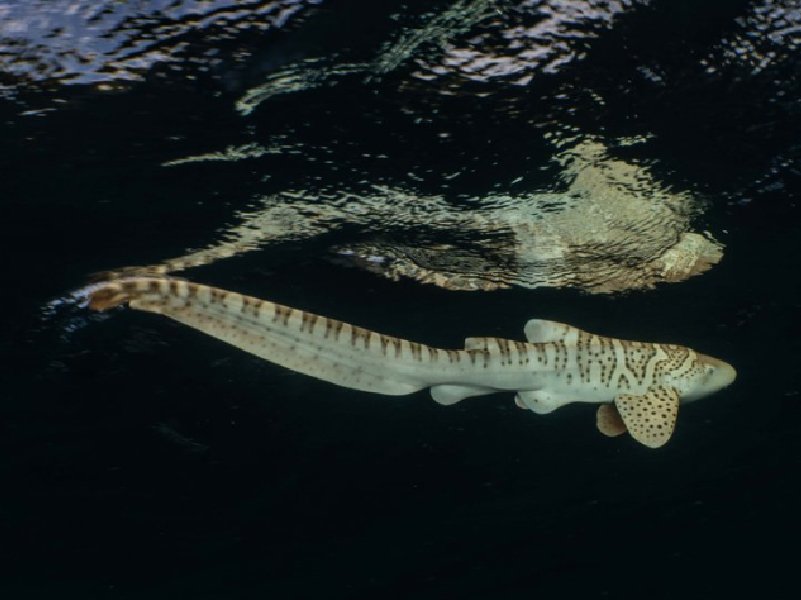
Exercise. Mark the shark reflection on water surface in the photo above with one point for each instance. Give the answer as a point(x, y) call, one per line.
point(607, 225)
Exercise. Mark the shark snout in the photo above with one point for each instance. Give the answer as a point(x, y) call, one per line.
point(720, 373)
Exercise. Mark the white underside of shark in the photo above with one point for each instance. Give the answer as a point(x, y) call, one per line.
point(638, 384)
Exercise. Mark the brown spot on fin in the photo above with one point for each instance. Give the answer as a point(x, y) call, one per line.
point(609, 421)
point(650, 418)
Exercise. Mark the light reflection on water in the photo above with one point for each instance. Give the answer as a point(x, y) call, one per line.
point(57, 42)
point(601, 222)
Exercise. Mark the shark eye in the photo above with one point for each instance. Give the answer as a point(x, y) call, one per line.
point(709, 369)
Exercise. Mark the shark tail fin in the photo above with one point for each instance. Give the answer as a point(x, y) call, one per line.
point(323, 348)
point(107, 296)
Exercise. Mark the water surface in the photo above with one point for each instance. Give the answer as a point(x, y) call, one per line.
point(412, 168)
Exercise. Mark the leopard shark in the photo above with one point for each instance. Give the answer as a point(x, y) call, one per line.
point(638, 385)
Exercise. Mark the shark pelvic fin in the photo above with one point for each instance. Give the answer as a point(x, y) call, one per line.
point(539, 331)
point(609, 421)
point(650, 418)
point(451, 394)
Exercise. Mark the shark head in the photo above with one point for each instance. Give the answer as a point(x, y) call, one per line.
point(706, 376)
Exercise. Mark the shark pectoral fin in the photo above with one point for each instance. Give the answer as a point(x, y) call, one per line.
point(650, 418)
point(539, 331)
point(609, 421)
point(448, 394)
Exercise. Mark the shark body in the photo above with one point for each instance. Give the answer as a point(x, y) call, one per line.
point(638, 385)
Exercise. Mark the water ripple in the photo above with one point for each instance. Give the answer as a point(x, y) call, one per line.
point(109, 43)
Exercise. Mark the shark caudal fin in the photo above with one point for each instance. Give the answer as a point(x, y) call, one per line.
point(103, 298)
point(323, 348)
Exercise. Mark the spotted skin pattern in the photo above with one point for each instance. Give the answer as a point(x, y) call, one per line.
point(654, 418)
point(559, 364)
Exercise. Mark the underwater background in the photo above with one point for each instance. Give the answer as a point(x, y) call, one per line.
point(432, 170)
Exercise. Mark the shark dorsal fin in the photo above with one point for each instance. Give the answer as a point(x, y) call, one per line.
point(539, 331)
point(609, 421)
point(650, 418)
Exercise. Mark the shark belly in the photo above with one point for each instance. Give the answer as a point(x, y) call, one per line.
point(481, 372)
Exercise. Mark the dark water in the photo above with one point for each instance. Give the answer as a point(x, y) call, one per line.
point(142, 459)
